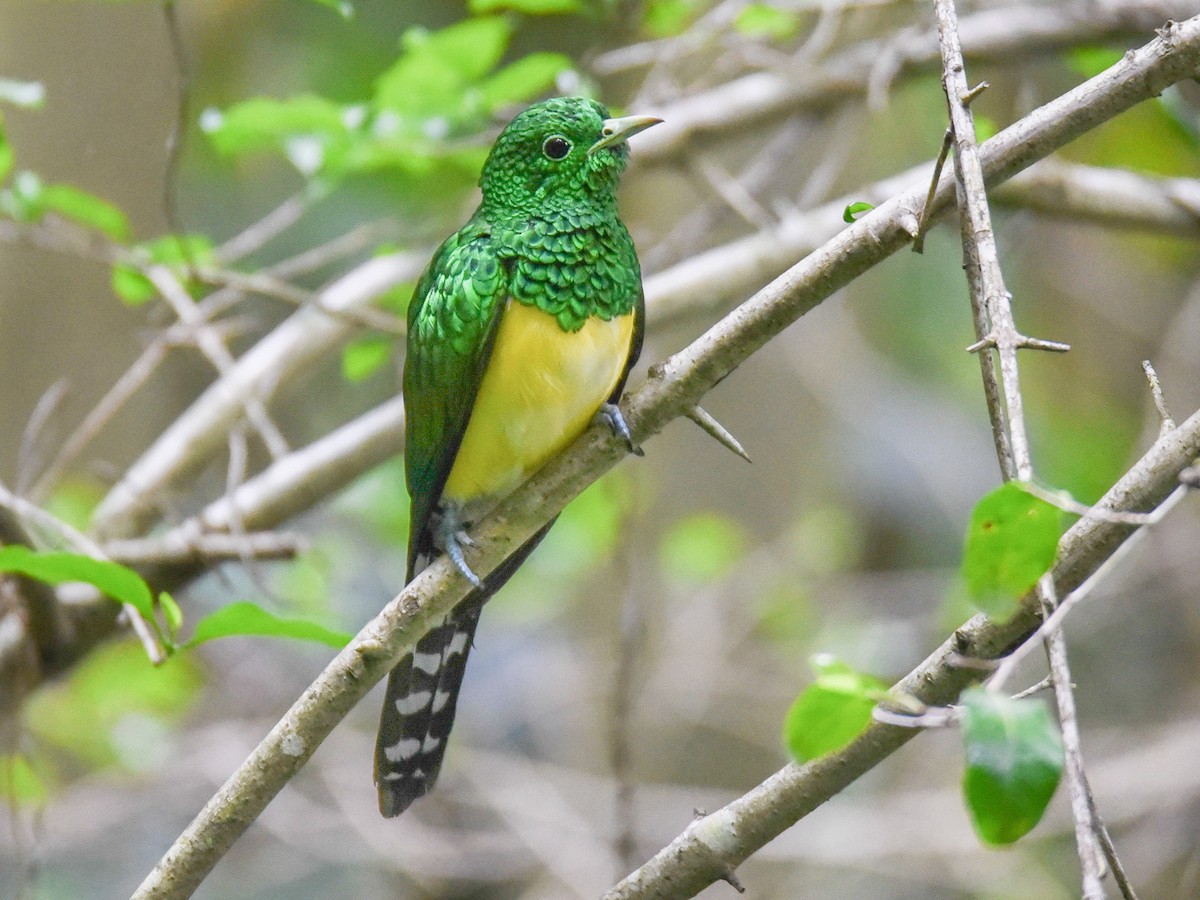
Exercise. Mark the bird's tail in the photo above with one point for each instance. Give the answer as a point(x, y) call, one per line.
point(422, 692)
point(418, 711)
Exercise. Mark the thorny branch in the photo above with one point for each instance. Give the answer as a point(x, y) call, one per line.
point(995, 327)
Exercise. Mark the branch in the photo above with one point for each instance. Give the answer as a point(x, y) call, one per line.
point(991, 35)
point(201, 430)
point(995, 326)
point(718, 843)
point(674, 387)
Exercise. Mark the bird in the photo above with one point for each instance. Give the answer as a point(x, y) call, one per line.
point(521, 332)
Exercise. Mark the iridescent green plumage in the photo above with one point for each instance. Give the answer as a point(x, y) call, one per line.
point(547, 237)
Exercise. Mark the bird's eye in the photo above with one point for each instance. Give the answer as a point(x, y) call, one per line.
point(556, 147)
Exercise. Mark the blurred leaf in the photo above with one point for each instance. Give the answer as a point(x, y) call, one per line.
point(785, 614)
point(851, 213)
point(985, 127)
point(1091, 61)
point(22, 200)
point(244, 619)
point(587, 532)
point(364, 357)
point(171, 612)
point(178, 252)
point(343, 8)
point(86, 209)
point(308, 130)
point(524, 79)
point(20, 786)
point(666, 18)
point(701, 548)
point(29, 199)
point(430, 78)
point(530, 7)
point(6, 154)
point(74, 499)
point(84, 713)
point(832, 711)
point(57, 567)
point(764, 20)
point(1014, 758)
point(380, 499)
point(25, 94)
point(1011, 542)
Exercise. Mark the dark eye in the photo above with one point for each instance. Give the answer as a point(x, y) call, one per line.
point(556, 147)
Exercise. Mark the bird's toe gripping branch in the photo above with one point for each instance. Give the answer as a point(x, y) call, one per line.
point(451, 538)
point(611, 415)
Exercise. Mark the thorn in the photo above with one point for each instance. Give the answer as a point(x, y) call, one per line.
point(717, 431)
point(728, 875)
point(974, 92)
point(1028, 343)
point(610, 413)
point(987, 343)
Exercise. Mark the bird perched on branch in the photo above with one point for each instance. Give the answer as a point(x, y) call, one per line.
point(522, 330)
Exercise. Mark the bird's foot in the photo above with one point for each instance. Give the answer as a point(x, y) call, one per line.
point(451, 537)
point(611, 415)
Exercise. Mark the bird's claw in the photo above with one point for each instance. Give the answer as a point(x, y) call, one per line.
point(453, 538)
point(611, 415)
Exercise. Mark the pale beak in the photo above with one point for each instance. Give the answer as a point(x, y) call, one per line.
point(616, 131)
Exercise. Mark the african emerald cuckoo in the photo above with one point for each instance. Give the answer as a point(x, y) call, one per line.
point(523, 328)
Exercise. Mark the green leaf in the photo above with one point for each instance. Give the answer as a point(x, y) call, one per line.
point(666, 18)
point(179, 252)
point(363, 358)
point(832, 711)
point(985, 127)
point(764, 20)
point(20, 785)
point(1011, 542)
point(171, 612)
point(29, 199)
point(431, 77)
point(701, 548)
point(6, 155)
point(529, 7)
point(22, 201)
point(242, 619)
point(132, 286)
point(1091, 61)
point(309, 130)
point(115, 707)
point(850, 214)
point(56, 567)
point(1014, 760)
point(524, 79)
point(26, 94)
point(342, 7)
point(86, 209)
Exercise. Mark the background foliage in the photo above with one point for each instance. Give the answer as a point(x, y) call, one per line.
point(643, 661)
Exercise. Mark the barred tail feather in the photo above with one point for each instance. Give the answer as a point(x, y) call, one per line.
point(418, 712)
point(422, 692)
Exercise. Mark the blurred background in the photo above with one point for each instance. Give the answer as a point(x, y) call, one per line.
point(640, 665)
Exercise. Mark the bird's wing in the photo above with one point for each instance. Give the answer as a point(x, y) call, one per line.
point(452, 324)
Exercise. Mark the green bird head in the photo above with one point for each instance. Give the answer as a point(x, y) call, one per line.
point(558, 155)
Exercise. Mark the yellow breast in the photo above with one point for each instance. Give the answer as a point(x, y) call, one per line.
point(541, 387)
